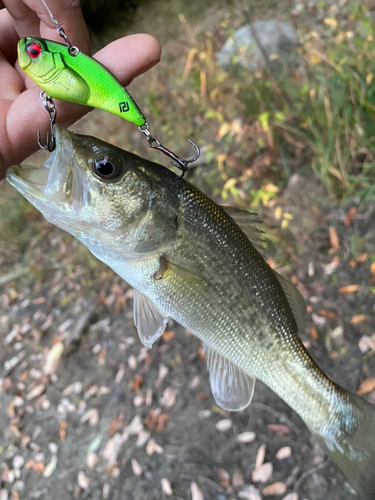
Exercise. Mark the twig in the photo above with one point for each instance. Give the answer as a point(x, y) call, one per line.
point(13, 275)
point(18, 273)
point(307, 473)
point(73, 336)
point(258, 42)
point(212, 483)
point(277, 414)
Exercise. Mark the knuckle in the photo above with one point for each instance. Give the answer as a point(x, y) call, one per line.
point(75, 5)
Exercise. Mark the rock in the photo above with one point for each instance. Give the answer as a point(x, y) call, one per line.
point(276, 39)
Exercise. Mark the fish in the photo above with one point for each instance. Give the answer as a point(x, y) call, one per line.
point(68, 74)
point(201, 264)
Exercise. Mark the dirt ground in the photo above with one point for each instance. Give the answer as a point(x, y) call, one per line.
point(111, 419)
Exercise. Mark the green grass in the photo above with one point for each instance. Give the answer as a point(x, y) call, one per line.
point(321, 115)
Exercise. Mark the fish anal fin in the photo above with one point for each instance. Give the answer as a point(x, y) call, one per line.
point(247, 222)
point(148, 319)
point(231, 387)
point(295, 299)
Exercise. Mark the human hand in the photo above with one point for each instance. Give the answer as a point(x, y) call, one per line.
point(22, 112)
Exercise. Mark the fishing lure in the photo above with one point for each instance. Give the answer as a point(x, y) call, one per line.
point(64, 72)
point(68, 74)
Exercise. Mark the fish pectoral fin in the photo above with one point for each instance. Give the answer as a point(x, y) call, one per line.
point(231, 387)
point(148, 319)
point(296, 301)
point(247, 222)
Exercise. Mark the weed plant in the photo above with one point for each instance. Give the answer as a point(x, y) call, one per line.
point(320, 115)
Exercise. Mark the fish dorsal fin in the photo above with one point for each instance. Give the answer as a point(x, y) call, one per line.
point(231, 387)
point(295, 299)
point(148, 319)
point(247, 222)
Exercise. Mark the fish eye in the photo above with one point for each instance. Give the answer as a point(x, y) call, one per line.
point(34, 49)
point(107, 167)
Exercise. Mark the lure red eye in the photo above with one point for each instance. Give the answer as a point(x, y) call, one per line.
point(34, 50)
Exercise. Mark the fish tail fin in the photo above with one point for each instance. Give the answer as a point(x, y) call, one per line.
point(350, 443)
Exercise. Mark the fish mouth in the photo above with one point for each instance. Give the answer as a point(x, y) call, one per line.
point(59, 183)
point(37, 181)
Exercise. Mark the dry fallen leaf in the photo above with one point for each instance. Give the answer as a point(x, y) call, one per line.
point(237, 479)
point(246, 437)
point(167, 336)
point(361, 258)
point(62, 430)
point(194, 382)
point(36, 392)
point(36, 466)
point(349, 289)
point(366, 343)
point(91, 416)
point(132, 362)
point(358, 318)
point(224, 425)
point(333, 238)
point(83, 480)
point(137, 383)
point(366, 386)
point(263, 473)
point(372, 268)
point(91, 459)
point(196, 492)
point(275, 489)
point(249, 493)
point(152, 447)
point(136, 467)
point(259, 460)
point(284, 452)
point(331, 267)
point(314, 333)
point(112, 449)
point(166, 486)
point(328, 314)
point(292, 496)
point(318, 320)
point(169, 397)
point(281, 429)
point(330, 21)
point(224, 478)
point(53, 358)
point(350, 216)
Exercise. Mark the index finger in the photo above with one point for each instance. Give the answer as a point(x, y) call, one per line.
point(67, 13)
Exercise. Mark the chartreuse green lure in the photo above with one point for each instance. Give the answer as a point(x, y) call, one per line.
point(68, 74)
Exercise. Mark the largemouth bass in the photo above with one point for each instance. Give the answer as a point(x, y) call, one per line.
point(196, 262)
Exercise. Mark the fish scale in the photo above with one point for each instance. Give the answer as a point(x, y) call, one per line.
point(244, 321)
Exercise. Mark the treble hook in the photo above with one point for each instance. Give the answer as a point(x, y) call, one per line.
point(50, 107)
point(178, 162)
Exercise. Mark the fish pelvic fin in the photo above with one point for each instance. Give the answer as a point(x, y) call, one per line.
point(231, 387)
point(148, 319)
point(350, 443)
